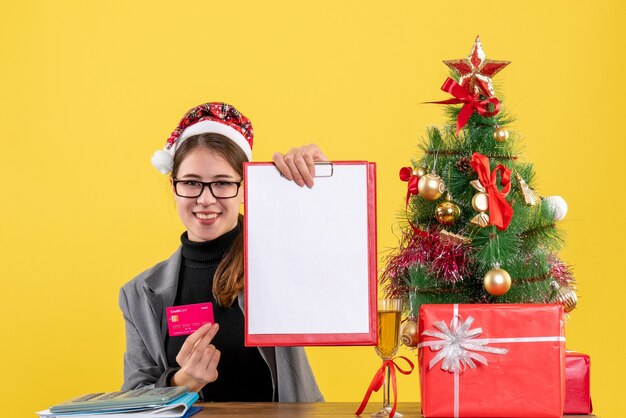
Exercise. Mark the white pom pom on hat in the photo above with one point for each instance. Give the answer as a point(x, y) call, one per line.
point(163, 161)
point(216, 117)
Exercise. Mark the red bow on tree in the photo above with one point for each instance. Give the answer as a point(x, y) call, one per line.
point(472, 103)
point(407, 174)
point(500, 211)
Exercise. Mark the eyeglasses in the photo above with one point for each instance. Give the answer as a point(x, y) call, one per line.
point(219, 189)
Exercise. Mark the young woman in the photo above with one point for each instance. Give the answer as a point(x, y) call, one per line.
point(205, 156)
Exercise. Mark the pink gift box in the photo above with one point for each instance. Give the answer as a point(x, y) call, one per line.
point(577, 383)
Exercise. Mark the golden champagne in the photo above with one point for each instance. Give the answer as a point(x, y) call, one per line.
point(388, 333)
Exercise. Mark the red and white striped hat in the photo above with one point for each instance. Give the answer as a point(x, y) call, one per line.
point(216, 117)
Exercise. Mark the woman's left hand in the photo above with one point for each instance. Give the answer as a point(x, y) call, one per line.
point(299, 163)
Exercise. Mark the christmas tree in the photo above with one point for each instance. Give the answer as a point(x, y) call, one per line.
point(475, 230)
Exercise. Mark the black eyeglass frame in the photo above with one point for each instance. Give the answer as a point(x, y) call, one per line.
point(206, 184)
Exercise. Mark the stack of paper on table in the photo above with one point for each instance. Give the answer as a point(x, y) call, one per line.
point(177, 404)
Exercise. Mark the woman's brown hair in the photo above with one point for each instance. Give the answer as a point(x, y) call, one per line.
point(228, 279)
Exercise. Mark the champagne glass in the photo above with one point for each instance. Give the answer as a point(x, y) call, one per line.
point(389, 314)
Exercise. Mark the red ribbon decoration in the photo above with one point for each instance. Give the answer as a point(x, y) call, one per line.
point(379, 378)
point(417, 231)
point(406, 174)
point(500, 211)
point(472, 102)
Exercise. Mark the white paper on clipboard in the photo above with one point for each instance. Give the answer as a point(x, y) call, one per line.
point(310, 256)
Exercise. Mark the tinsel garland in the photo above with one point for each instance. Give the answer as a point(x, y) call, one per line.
point(560, 271)
point(444, 261)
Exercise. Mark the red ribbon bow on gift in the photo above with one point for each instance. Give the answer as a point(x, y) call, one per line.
point(406, 174)
point(472, 103)
point(379, 378)
point(500, 211)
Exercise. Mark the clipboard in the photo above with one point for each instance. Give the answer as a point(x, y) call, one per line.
point(310, 256)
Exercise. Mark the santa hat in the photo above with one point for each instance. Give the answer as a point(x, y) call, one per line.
point(217, 117)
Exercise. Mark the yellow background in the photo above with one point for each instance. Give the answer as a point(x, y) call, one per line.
point(90, 89)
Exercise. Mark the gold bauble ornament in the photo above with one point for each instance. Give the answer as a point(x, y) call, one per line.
point(409, 332)
point(420, 171)
point(447, 212)
point(564, 296)
point(431, 186)
point(501, 134)
point(497, 281)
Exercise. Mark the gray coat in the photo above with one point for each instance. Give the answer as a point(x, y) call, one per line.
point(143, 301)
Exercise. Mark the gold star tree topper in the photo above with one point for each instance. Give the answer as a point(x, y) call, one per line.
point(475, 71)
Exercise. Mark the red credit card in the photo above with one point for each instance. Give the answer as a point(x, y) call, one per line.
point(185, 319)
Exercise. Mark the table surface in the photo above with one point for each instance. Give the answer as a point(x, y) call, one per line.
point(308, 410)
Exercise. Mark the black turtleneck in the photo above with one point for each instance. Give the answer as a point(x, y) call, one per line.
point(243, 374)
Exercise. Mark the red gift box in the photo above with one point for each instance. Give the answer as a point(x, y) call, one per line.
point(492, 360)
point(577, 393)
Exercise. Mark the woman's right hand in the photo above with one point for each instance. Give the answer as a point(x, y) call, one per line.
point(299, 163)
point(198, 359)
